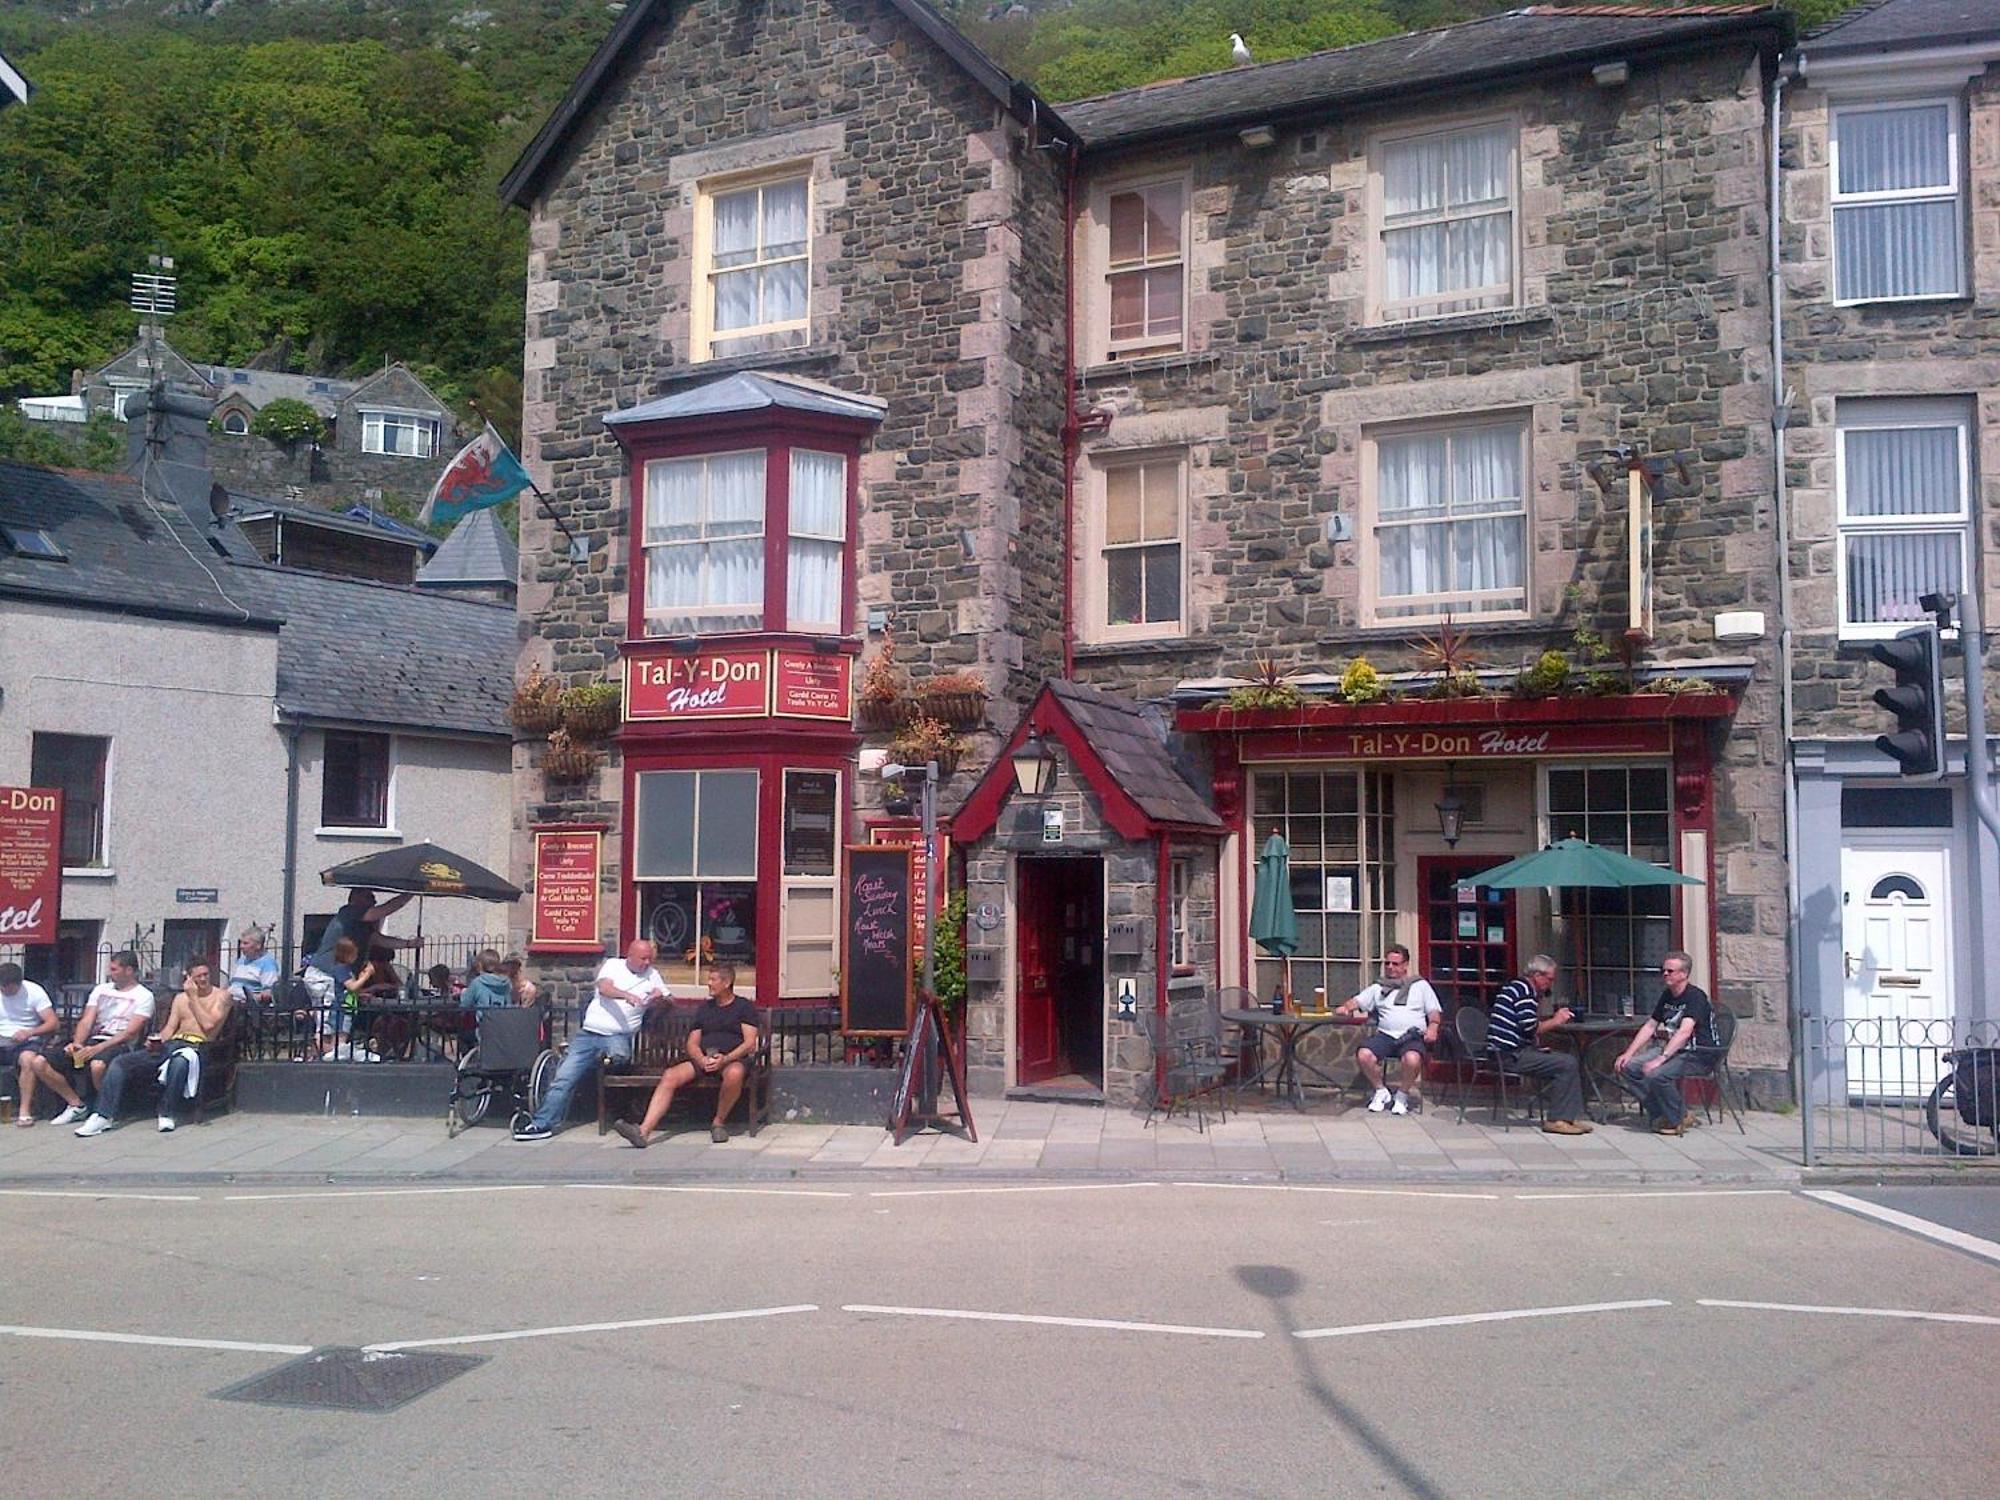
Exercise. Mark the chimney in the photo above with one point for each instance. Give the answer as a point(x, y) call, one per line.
point(166, 449)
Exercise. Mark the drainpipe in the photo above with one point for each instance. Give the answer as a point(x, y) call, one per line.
point(287, 954)
point(1072, 428)
point(1162, 926)
point(1788, 68)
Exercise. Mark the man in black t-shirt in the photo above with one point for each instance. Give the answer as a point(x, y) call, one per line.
point(1669, 1047)
point(723, 1036)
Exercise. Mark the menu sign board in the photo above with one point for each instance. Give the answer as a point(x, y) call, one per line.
point(812, 685)
point(875, 979)
point(567, 861)
point(30, 863)
point(714, 684)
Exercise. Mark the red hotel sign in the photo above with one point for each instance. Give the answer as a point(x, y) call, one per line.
point(30, 863)
point(1461, 742)
point(714, 684)
point(567, 861)
point(812, 685)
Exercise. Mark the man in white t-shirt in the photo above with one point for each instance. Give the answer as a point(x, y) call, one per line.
point(113, 1019)
point(26, 1017)
point(1406, 1013)
point(626, 988)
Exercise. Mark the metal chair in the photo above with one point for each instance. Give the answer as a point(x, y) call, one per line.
point(1469, 1025)
point(1239, 1051)
point(1190, 1041)
point(1713, 1063)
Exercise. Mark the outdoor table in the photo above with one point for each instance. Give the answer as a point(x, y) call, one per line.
point(1283, 1071)
point(1582, 1033)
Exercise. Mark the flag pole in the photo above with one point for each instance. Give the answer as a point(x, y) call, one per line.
point(577, 551)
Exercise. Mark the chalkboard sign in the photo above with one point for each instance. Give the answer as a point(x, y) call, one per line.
point(875, 982)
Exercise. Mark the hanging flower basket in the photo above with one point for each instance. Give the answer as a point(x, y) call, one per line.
point(883, 713)
point(565, 760)
point(925, 739)
point(590, 710)
point(537, 705)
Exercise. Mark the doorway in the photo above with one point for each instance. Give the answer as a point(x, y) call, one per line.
point(1468, 931)
point(1059, 990)
point(1895, 942)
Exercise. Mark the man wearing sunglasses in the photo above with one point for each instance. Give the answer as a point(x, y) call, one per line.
point(1664, 1050)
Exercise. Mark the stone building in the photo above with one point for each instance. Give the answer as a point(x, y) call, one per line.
point(1462, 334)
point(1890, 126)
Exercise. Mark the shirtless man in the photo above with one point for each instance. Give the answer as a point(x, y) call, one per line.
point(193, 1021)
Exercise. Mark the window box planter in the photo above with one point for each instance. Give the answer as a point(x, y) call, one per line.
point(884, 713)
point(591, 710)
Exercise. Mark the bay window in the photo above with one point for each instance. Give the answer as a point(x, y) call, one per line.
point(399, 433)
point(1898, 227)
point(694, 858)
point(1901, 472)
point(1449, 523)
point(817, 550)
point(1447, 221)
point(754, 266)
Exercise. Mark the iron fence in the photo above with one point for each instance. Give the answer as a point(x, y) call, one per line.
point(1886, 1089)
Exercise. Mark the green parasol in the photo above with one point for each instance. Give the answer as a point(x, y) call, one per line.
point(1569, 862)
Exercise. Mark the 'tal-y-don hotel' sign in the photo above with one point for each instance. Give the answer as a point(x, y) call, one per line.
point(715, 684)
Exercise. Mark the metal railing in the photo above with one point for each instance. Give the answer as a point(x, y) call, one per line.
point(1880, 1089)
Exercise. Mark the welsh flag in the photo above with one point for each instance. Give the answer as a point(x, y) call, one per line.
point(484, 473)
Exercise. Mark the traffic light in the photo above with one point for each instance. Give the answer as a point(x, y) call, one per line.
point(1917, 700)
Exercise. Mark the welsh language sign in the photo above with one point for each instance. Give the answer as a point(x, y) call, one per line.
point(30, 863)
point(812, 685)
point(718, 683)
point(567, 860)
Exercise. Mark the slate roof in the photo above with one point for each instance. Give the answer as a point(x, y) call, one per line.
point(359, 652)
point(1534, 41)
point(323, 393)
point(125, 552)
point(1135, 752)
point(356, 520)
point(478, 552)
point(1896, 25)
point(754, 390)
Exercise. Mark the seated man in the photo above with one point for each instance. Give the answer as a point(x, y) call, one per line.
point(26, 1017)
point(113, 1018)
point(173, 1054)
point(253, 978)
point(625, 989)
point(723, 1035)
point(1665, 1049)
point(1407, 1014)
point(1514, 1034)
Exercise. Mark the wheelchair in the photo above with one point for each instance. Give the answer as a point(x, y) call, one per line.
point(511, 1060)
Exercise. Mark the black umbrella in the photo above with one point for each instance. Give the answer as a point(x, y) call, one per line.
point(423, 870)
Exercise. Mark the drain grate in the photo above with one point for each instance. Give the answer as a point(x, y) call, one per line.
point(338, 1379)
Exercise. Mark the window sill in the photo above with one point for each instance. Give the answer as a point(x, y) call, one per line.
point(376, 834)
point(820, 357)
point(1401, 630)
point(1149, 364)
point(87, 872)
point(1928, 301)
point(1179, 645)
point(1473, 322)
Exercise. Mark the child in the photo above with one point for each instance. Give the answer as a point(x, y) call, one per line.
point(489, 988)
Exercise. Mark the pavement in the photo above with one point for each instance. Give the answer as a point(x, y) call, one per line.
point(1028, 1140)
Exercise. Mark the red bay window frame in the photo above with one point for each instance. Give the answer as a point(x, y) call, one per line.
point(777, 434)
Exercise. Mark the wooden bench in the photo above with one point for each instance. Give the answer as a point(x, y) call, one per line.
point(661, 1042)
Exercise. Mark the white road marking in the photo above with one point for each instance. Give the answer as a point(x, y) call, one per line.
point(519, 1187)
point(1856, 1312)
point(1301, 1187)
point(1045, 1187)
point(1488, 1317)
point(544, 1333)
point(1958, 1239)
point(1664, 1193)
point(1054, 1322)
point(136, 1197)
point(95, 1336)
point(637, 1187)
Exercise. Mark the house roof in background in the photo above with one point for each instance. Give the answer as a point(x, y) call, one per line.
point(1537, 41)
point(123, 552)
point(14, 87)
point(1904, 25)
point(754, 390)
point(478, 553)
point(356, 520)
point(323, 393)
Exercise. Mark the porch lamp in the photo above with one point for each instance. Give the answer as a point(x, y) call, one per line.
point(1034, 766)
point(1450, 809)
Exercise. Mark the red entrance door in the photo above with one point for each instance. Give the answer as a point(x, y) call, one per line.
point(1059, 990)
point(1468, 948)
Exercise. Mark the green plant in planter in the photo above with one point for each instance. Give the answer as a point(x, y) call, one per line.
point(288, 421)
point(1361, 683)
point(590, 708)
point(948, 955)
point(1268, 687)
point(1546, 678)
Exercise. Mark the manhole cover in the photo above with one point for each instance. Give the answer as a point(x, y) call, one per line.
point(351, 1379)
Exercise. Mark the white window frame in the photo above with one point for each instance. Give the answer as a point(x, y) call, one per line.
point(1485, 299)
point(1455, 605)
point(789, 986)
point(1180, 907)
point(235, 416)
point(388, 828)
point(1954, 192)
point(120, 396)
point(1100, 284)
point(647, 612)
point(375, 421)
point(1885, 414)
point(1096, 566)
point(703, 334)
point(105, 866)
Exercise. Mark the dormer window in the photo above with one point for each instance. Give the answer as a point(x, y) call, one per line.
point(235, 423)
point(400, 434)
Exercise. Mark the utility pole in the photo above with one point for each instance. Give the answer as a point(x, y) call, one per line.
point(1978, 788)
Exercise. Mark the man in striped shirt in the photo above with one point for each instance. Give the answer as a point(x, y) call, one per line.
point(1514, 1031)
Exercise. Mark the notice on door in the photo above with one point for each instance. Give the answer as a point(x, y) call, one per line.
point(567, 861)
point(30, 863)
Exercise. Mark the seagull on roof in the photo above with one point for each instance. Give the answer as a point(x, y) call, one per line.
point(1238, 53)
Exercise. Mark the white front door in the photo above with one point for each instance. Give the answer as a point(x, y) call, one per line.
point(1896, 952)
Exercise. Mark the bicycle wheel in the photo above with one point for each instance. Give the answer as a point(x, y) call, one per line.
point(1957, 1137)
point(471, 1095)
